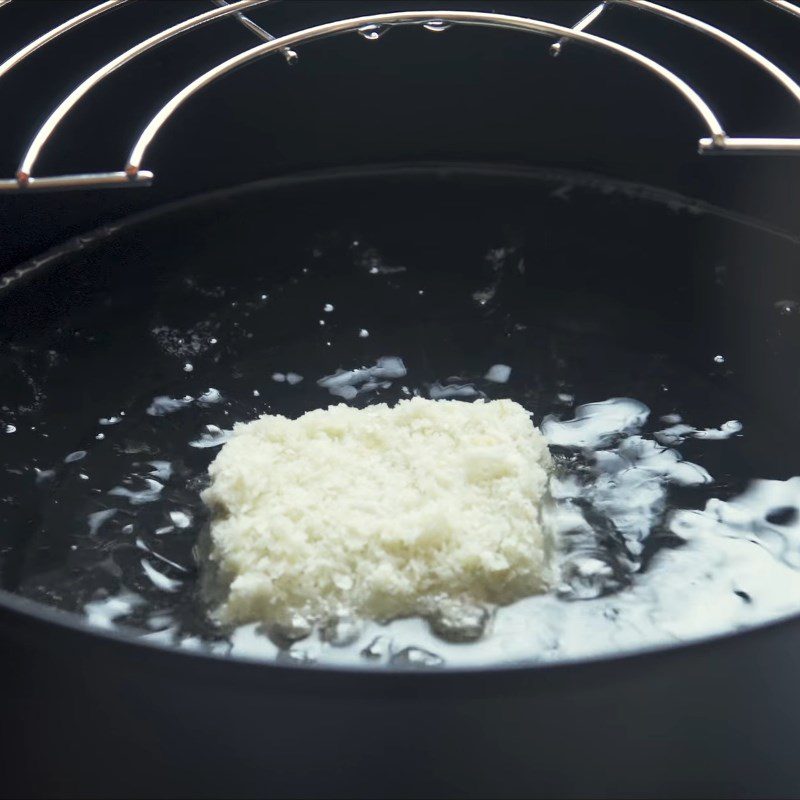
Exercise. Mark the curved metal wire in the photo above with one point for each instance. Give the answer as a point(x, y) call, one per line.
point(43, 134)
point(54, 33)
point(486, 19)
point(785, 5)
point(721, 36)
point(716, 142)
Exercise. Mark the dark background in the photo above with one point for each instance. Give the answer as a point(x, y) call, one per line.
point(469, 94)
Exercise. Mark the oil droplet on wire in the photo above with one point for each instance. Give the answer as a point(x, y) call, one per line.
point(372, 32)
point(437, 25)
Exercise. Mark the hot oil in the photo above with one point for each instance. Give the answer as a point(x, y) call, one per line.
point(666, 531)
point(728, 565)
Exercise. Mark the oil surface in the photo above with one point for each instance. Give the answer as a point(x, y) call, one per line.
point(673, 499)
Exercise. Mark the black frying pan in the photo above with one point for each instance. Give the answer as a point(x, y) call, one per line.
point(627, 296)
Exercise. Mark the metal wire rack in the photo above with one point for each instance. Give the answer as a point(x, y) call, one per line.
point(371, 27)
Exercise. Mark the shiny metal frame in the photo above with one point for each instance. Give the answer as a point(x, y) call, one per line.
point(370, 27)
point(785, 5)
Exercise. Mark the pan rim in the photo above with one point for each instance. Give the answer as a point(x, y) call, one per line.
point(441, 170)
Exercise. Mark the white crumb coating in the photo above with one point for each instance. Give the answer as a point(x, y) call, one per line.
point(379, 512)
